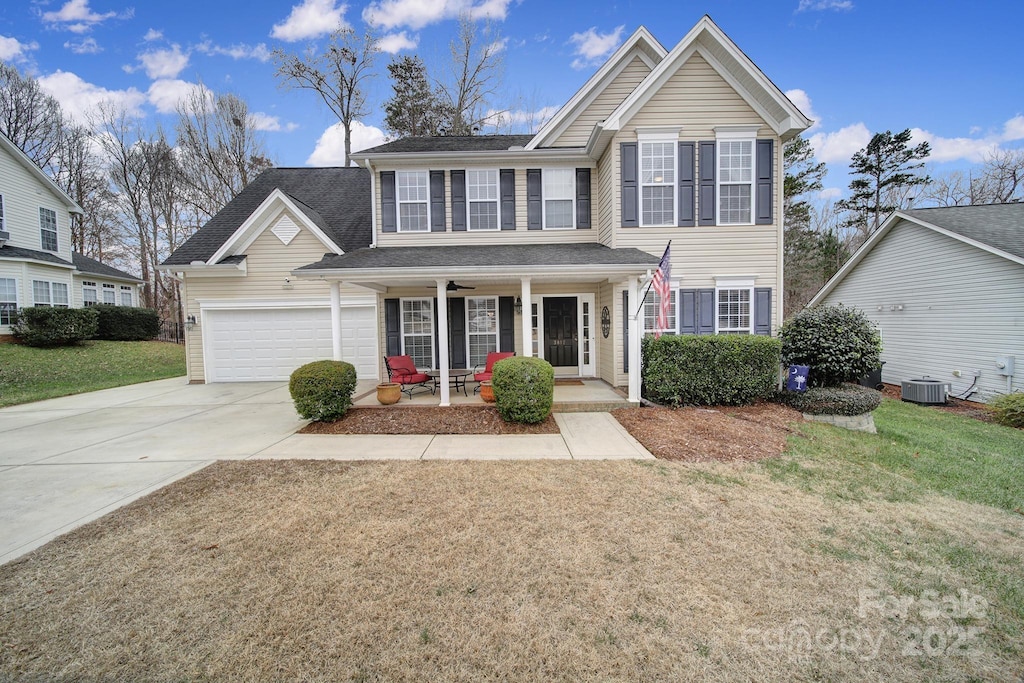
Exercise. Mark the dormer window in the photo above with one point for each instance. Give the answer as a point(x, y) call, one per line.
point(413, 201)
point(657, 182)
point(482, 195)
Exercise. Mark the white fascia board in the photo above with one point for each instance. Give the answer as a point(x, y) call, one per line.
point(31, 167)
point(206, 270)
point(305, 302)
point(395, 159)
point(356, 275)
point(97, 276)
point(40, 262)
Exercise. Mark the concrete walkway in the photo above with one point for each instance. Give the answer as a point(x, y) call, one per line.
point(69, 460)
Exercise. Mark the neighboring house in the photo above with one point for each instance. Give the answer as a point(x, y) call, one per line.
point(946, 288)
point(37, 265)
point(446, 248)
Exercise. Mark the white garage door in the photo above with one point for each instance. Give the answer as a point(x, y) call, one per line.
point(266, 344)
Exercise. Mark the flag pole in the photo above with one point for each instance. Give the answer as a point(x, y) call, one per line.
point(649, 285)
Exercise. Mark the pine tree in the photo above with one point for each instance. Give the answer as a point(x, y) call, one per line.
point(414, 108)
point(801, 242)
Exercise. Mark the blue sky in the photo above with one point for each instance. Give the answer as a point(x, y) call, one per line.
point(951, 72)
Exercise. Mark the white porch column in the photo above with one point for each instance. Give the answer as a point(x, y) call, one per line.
point(442, 340)
point(336, 318)
point(527, 318)
point(635, 331)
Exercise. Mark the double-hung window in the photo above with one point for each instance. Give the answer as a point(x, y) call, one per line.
point(108, 295)
point(734, 314)
point(657, 182)
point(40, 293)
point(418, 331)
point(481, 328)
point(59, 292)
point(652, 304)
point(482, 195)
point(413, 201)
point(89, 294)
point(559, 188)
point(8, 300)
point(48, 229)
point(735, 180)
point(126, 295)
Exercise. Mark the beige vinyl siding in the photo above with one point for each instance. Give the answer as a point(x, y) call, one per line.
point(607, 196)
point(622, 85)
point(268, 263)
point(606, 347)
point(23, 195)
point(521, 235)
point(962, 308)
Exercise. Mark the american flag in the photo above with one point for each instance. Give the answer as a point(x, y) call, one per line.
point(661, 286)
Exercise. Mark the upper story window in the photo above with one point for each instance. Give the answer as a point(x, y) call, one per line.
point(482, 195)
point(413, 201)
point(559, 197)
point(126, 295)
point(89, 293)
point(657, 182)
point(734, 165)
point(48, 229)
point(108, 295)
point(8, 300)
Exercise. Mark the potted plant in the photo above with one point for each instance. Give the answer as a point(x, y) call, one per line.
point(389, 393)
point(487, 391)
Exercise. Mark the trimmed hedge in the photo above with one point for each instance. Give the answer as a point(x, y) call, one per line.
point(322, 390)
point(710, 370)
point(848, 399)
point(126, 323)
point(1008, 409)
point(45, 326)
point(524, 389)
point(838, 343)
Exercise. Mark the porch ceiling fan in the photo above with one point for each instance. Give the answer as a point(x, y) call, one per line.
point(454, 287)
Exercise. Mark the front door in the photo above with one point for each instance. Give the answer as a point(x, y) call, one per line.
point(560, 331)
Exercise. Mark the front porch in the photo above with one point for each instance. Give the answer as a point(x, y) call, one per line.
point(571, 395)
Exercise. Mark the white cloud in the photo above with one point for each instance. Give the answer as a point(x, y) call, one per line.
point(498, 46)
point(11, 49)
point(88, 46)
point(75, 16)
point(239, 51)
point(951, 149)
point(803, 102)
point(167, 63)
point(396, 42)
point(310, 19)
point(1014, 129)
point(841, 145)
point(78, 98)
point(593, 47)
point(523, 120)
point(820, 5)
point(266, 122)
point(830, 193)
point(153, 34)
point(330, 148)
point(167, 93)
point(416, 14)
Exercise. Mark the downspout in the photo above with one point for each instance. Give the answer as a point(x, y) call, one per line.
point(373, 204)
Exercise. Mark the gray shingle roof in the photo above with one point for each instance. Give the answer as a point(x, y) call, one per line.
point(87, 265)
point(998, 225)
point(450, 143)
point(525, 255)
point(337, 200)
point(10, 252)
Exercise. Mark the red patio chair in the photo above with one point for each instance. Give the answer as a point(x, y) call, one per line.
point(488, 367)
point(402, 370)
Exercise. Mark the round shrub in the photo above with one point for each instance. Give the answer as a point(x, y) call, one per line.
point(323, 390)
point(1008, 409)
point(848, 399)
point(524, 389)
point(839, 344)
point(46, 326)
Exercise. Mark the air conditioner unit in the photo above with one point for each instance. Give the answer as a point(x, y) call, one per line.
point(925, 391)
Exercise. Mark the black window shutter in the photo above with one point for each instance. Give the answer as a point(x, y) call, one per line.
point(687, 311)
point(625, 331)
point(764, 163)
point(507, 186)
point(533, 199)
point(687, 187)
point(393, 327)
point(458, 200)
point(762, 310)
point(582, 198)
point(706, 176)
point(437, 223)
point(388, 203)
point(705, 311)
point(457, 332)
point(630, 186)
point(506, 324)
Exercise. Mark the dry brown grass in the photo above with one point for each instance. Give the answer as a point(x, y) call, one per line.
point(637, 571)
point(427, 420)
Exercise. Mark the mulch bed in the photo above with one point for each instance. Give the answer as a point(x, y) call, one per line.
point(977, 411)
point(702, 434)
point(428, 420)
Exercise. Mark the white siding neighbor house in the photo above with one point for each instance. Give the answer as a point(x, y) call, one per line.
point(946, 288)
point(447, 248)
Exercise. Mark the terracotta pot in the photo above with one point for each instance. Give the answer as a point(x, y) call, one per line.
point(487, 391)
point(389, 393)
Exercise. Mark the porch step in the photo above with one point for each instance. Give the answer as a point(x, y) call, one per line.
point(589, 406)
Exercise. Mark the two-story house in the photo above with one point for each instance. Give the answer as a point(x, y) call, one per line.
point(37, 264)
point(447, 248)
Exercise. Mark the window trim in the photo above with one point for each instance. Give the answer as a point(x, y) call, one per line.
point(126, 289)
point(430, 335)
point(36, 302)
point(55, 231)
point(674, 314)
point(673, 143)
point(16, 301)
point(107, 287)
point(53, 295)
point(399, 201)
point(88, 284)
point(544, 198)
point(735, 134)
point(496, 201)
point(728, 287)
point(496, 333)
point(1, 212)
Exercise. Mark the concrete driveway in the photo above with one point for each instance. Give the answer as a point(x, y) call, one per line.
point(63, 461)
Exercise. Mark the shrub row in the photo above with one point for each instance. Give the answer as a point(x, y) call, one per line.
point(710, 370)
point(126, 323)
point(847, 399)
point(46, 326)
point(1008, 409)
point(322, 390)
point(524, 389)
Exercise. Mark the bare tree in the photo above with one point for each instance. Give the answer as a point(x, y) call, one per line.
point(1003, 177)
point(29, 117)
point(78, 170)
point(338, 75)
point(476, 73)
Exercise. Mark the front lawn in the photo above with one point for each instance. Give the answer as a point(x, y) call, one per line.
point(33, 374)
